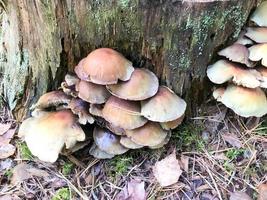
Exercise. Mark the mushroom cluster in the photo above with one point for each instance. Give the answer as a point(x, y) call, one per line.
point(126, 106)
point(245, 72)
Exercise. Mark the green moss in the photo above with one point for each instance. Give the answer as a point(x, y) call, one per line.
point(67, 168)
point(8, 174)
point(232, 154)
point(24, 151)
point(120, 164)
point(62, 194)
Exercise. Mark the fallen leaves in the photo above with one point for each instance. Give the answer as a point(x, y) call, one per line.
point(239, 196)
point(6, 134)
point(4, 128)
point(232, 139)
point(167, 171)
point(134, 190)
point(262, 192)
point(6, 150)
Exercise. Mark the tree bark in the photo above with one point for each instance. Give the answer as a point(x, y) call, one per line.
point(40, 40)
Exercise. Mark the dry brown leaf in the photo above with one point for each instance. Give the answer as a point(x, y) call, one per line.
point(4, 128)
point(6, 150)
point(24, 171)
point(133, 190)
point(232, 139)
point(262, 192)
point(184, 161)
point(220, 156)
point(239, 196)
point(167, 171)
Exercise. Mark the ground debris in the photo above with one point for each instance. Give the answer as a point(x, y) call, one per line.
point(133, 190)
point(239, 196)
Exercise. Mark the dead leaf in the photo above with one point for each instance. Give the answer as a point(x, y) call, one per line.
point(134, 190)
point(167, 171)
point(232, 139)
point(239, 196)
point(4, 128)
point(184, 161)
point(25, 171)
point(220, 156)
point(6, 164)
point(262, 192)
point(6, 150)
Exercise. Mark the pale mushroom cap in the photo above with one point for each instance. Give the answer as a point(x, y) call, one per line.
point(258, 35)
point(263, 72)
point(51, 99)
point(106, 66)
point(92, 93)
point(260, 14)
point(96, 110)
point(151, 134)
point(98, 153)
point(143, 84)
point(259, 52)
point(242, 39)
point(108, 142)
point(46, 135)
point(245, 102)
point(164, 106)
point(164, 142)
point(128, 143)
point(236, 53)
point(80, 71)
point(172, 124)
point(71, 79)
point(123, 113)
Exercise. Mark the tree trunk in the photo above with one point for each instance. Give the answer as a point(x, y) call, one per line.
point(43, 39)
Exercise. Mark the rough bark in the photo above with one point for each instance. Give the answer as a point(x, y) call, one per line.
point(40, 40)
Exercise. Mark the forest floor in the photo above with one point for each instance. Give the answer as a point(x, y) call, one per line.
point(220, 153)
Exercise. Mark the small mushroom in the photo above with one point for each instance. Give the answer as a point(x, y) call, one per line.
point(245, 102)
point(151, 134)
point(164, 106)
point(92, 93)
point(123, 113)
point(172, 124)
point(128, 143)
point(71, 79)
point(79, 70)
point(260, 14)
point(98, 153)
point(143, 84)
point(258, 35)
point(263, 72)
point(46, 134)
point(223, 71)
point(242, 39)
point(52, 99)
point(108, 142)
point(96, 109)
point(81, 108)
point(164, 142)
point(259, 52)
point(106, 66)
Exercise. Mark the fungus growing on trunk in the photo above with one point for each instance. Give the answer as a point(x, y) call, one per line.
point(259, 52)
point(260, 14)
point(258, 35)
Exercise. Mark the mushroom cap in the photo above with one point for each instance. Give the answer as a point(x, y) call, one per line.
point(143, 84)
point(164, 106)
point(151, 134)
point(92, 93)
point(79, 70)
point(164, 142)
point(259, 52)
point(52, 99)
point(263, 72)
point(106, 66)
point(242, 39)
point(236, 53)
point(71, 79)
point(81, 108)
point(46, 134)
point(123, 113)
point(108, 142)
point(68, 90)
point(223, 71)
point(260, 14)
point(96, 109)
point(128, 143)
point(172, 124)
point(258, 35)
point(245, 102)
point(98, 153)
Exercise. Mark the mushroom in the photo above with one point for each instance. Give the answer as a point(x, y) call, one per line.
point(164, 106)
point(46, 134)
point(71, 79)
point(259, 52)
point(108, 142)
point(151, 134)
point(263, 71)
point(164, 142)
point(236, 53)
point(52, 99)
point(143, 84)
point(258, 35)
point(81, 108)
point(106, 66)
point(172, 124)
point(98, 153)
point(128, 143)
point(223, 71)
point(92, 93)
point(79, 71)
point(242, 39)
point(68, 86)
point(245, 102)
point(122, 113)
point(260, 14)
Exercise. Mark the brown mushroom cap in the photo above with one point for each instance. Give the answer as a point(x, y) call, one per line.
point(143, 84)
point(258, 35)
point(71, 79)
point(108, 142)
point(151, 134)
point(263, 72)
point(79, 70)
point(98, 153)
point(123, 113)
point(245, 102)
point(128, 143)
point(51, 99)
point(259, 52)
point(164, 142)
point(46, 134)
point(223, 71)
point(96, 109)
point(164, 106)
point(172, 124)
point(92, 93)
point(106, 66)
point(260, 14)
